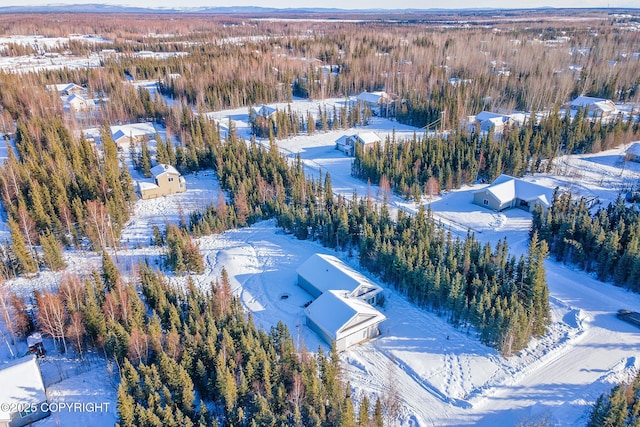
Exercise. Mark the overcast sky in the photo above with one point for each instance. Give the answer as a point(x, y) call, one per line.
point(350, 4)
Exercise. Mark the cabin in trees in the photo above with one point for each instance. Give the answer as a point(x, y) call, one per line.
point(166, 180)
point(378, 102)
point(80, 103)
point(67, 89)
point(136, 133)
point(335, 316)
point(342, 311)
point(595, 107)
point(509, 192)
point(365, 140)
point(633, 152)
point(487, 121)
point(22, 393)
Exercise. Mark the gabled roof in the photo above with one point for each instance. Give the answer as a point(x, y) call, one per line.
point(21, 383)
point(337, 314)
point(326, 272)
point(263, 110)
point(343, 139)
point(373, 97)
point(162, 168)
point(119, 134)
point(64, 87)
point(369, 137)
point(487, 115)
point(506, 188)
point(74, 96)
point(133, 129)
point(603, 104)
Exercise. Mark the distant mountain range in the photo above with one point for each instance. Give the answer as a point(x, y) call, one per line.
point(229, 10)
point(241, 10)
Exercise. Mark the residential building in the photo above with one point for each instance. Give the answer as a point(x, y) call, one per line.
point(321, 273)
point(335, 316)
point(166, 180)
point(509, 192)
point(365, 140)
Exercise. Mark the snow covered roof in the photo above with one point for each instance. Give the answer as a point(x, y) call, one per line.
point(263, 110)
point(373, 97)
point(327, 272)
point(21, 383)
point(506, 188)
point(338, 315)
point(606, 105)
point(369, 137)
point(487, 115)
point(64, 87)
point(146, 186)
point(134, 129)
point(634, 149)
point(163, 168)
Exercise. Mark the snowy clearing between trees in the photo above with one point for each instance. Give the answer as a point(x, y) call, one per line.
point(443, 376)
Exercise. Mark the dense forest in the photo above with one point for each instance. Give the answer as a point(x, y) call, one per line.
point(606, 242)
point(414, 166)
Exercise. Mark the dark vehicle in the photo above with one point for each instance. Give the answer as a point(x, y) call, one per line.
point(632, 317)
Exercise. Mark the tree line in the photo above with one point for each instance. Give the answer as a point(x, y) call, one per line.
point(460, 158)
point(606, 242)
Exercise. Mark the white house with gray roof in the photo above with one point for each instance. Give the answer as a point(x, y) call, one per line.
point(509, 192)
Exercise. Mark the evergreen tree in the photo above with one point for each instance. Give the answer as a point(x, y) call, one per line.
point(24, 261)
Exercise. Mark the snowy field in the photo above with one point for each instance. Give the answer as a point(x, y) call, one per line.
point(444, 376)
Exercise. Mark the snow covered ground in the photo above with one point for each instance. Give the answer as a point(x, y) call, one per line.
point(444, 376)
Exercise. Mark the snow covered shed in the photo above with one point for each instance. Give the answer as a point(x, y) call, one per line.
point(335, 316)
point(22, 393)
point(321, 273)
point(509, 192)
point(167, 180)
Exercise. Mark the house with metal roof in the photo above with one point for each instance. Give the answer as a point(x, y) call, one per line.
point(509, 192)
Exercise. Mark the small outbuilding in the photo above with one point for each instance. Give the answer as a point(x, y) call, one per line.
point(321, 273)
point(335, 316)
point(22, 393)
point(509, 192)
point(166, 180)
